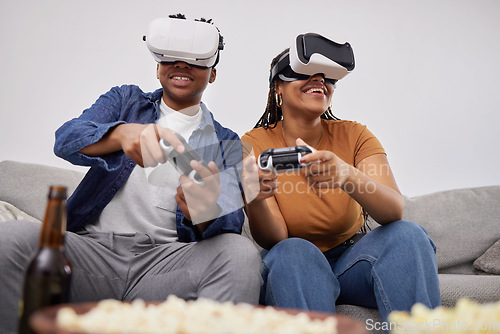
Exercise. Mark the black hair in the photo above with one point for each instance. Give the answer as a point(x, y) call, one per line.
point(209, 21)
point(273, 112)
point(177, 16)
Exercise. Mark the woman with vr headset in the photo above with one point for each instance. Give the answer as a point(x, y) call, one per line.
point(312, 223)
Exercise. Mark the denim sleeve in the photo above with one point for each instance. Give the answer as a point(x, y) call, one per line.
point(230, 223)
point(88, 129)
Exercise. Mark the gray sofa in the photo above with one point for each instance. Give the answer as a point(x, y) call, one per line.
point(464, 224)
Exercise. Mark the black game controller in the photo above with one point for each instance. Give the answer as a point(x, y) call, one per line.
point(181, 160)
point(285, 159)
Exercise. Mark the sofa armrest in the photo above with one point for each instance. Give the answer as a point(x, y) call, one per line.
point(462, 222)
point(26, 185)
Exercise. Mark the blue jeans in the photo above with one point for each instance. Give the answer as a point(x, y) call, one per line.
point(390, 268)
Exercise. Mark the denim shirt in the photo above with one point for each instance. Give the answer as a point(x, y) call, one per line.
point(108, 173)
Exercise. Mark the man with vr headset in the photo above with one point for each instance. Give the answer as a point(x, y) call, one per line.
point(128, 238)
point(312, 222)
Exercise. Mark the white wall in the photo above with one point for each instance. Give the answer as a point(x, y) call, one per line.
point(426, 79)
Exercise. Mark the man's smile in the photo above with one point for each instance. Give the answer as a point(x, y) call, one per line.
point(181, 79)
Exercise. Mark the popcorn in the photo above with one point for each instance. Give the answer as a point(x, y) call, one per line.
point(466, 317)
point(177, 316)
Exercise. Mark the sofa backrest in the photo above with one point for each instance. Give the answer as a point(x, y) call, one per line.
point(463, 223)
point(26, 185)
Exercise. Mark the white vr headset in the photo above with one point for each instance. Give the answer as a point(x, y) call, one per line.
point(194, 42)
point(311, 54)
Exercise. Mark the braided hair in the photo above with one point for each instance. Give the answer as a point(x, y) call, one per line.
point(273, 112)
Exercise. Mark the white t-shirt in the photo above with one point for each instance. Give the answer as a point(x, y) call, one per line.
point(140, 206)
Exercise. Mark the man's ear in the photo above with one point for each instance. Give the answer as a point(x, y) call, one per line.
point(157, 71)
point(213, 74)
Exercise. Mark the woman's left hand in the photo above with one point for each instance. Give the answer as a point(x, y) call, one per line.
point(324, 169)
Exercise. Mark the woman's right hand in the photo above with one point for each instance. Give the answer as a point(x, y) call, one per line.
point(267, 224)
point(258, 184)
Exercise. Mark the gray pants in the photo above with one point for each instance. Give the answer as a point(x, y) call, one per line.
point(226, 267)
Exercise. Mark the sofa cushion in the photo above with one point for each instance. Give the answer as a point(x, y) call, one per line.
point(483, 289)
point(463, 223)
point(10, 212)
point(489, 262)
point(26, 185)
point(370, 317)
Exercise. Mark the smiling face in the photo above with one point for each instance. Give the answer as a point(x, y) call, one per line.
point(183, 84)
point(309, 98)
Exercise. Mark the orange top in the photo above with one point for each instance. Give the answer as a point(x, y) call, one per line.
point(325, 217)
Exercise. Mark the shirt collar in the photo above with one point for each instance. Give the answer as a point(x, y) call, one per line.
point(207, 119)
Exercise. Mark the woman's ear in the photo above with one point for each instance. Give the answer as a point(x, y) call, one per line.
point(277, 87)
point(213, 74)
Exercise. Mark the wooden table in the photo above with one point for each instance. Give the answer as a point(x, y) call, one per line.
point(44, 321)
